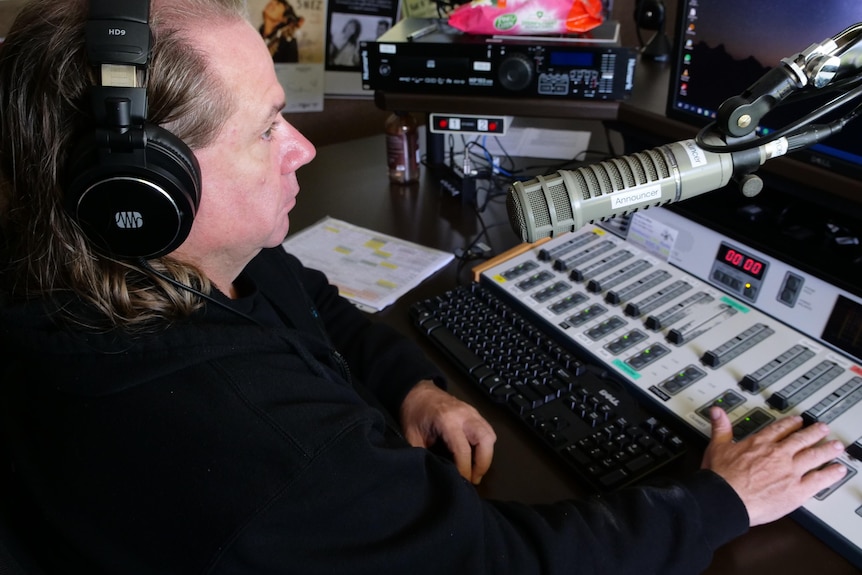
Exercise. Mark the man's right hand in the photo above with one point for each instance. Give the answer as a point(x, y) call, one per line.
point(777, 469)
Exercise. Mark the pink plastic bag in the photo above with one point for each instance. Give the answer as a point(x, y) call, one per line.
point(527, 17)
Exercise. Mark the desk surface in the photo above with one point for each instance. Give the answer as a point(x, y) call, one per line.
point(349, 181)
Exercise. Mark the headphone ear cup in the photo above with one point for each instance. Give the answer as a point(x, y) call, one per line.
point(650, 14)
point(137, 199)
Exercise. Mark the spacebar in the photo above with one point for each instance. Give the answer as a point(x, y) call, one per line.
point(454, 346)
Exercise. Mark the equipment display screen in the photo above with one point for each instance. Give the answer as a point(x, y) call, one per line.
point(573, 58)
point(844, 328)
point(741, 261)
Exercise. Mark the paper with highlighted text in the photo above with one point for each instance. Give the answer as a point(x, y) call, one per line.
point(370, 269)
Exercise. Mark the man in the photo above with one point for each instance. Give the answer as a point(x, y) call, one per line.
point(267, 426)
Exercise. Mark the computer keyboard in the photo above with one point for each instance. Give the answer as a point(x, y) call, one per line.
point(595, 427)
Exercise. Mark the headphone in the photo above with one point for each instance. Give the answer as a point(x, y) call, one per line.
point(134, 186)
point(650, 15)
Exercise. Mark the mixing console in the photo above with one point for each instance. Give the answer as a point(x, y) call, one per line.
point(688, 319)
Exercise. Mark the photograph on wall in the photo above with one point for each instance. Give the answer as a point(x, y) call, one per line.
point(346, 31)
point(295, 33)
point(350, 22)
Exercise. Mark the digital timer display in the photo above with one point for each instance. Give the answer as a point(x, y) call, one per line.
point(741, 261)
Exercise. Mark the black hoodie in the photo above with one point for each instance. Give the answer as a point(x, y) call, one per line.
point(223, 445)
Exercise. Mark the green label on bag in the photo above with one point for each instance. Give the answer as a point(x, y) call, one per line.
point(505, 22)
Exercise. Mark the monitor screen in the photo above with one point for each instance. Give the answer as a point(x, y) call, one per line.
point(723, 46)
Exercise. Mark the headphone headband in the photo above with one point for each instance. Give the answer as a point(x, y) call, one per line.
point(118, 33)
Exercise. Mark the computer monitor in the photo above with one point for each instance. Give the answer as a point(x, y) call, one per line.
point(723, 46)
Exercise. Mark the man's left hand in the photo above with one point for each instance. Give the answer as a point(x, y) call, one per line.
point(429, 413)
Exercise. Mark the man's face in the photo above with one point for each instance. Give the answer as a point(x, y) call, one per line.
point(248, 172)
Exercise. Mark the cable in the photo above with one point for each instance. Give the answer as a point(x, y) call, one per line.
point(786, 131)
point(497, 167)
point(548, 168)
point(206, 297)
point(608, 138)
point(287, 335)
point(468, 253)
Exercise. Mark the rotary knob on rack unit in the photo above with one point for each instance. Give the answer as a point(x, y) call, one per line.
point(516, 72)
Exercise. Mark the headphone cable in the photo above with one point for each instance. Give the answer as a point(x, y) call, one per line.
point(204, 296)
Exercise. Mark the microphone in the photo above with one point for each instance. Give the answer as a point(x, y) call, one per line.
point(566, 200)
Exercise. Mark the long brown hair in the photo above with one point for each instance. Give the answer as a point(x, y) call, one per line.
point(44, 78)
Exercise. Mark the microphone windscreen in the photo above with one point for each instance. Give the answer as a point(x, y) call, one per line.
point(539, 208)
point(567, 200)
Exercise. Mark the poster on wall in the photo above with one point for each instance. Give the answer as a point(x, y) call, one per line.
point(295, 32)
point(350, 22)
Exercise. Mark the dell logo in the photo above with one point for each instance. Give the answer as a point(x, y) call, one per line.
point(116, 32)
point(129, 220)
point(610, 397)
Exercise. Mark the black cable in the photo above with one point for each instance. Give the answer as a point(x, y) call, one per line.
point(564, 164)
point(467, 253)
point(314, 364)
point(786, 131)
point(612, 153)
point(495, 187)
point(206, 297)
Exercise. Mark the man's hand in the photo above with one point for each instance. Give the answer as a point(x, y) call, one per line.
point(428, 413)
point(776, 470)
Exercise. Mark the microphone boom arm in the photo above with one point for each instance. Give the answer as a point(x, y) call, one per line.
point(569, 199)
point(817, 66)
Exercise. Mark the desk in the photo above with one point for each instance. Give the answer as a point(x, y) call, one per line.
point(349, 181)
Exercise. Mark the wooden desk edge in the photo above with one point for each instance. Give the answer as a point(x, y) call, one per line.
point(507, 255)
